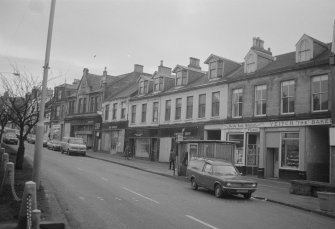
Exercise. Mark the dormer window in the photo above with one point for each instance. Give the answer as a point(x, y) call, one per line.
point(215, 69)
point(181, 78)
point(143, 87)
point(158, 84)
point(304, 51)
point(250, 63)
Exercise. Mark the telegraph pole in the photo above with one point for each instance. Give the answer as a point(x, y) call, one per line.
point(40, 124)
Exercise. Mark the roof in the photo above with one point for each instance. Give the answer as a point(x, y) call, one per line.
point(124, 86)
point(218, 57)
point(187, 68)
point(93, 81)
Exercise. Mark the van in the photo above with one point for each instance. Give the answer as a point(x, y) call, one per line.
point(71, 145)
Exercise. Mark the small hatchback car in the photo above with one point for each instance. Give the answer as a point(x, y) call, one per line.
point(219, 176)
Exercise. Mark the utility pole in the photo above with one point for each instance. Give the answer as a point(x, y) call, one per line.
point(40, 124)
point(332, 98)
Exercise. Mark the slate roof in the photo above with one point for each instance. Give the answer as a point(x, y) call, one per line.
point(93, 81)
point(124, 85)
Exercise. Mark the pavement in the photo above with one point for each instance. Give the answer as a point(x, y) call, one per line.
point(271, 190)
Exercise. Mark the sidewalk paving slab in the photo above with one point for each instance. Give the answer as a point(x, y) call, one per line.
point(272, 190)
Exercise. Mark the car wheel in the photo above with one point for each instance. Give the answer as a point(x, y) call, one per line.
point(218, 191)
point(247, 196)
point(194, 184)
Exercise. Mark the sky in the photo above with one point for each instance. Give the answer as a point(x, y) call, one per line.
point(117, 34)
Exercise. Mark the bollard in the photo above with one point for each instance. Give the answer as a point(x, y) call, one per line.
point(36, 219)
point(29, 189)
point(4, 161)
point(11, 178)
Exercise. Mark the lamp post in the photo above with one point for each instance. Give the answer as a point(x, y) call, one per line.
point(40, 124)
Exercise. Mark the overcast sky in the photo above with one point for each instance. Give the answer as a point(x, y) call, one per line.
point(120, 33)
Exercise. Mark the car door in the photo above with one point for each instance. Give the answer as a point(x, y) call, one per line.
point(208, 176)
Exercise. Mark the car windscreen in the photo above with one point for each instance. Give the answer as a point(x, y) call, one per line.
point(11, 135)
point(76, 141)
point(224, 170)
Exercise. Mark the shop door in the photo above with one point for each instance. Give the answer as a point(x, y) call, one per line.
point(154, 156)
point(272, 162)
point(252, 155)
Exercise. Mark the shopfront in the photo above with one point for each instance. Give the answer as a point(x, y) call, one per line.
point(113, 137)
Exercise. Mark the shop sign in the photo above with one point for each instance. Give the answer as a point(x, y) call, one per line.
point(254, 127)
point(138, 135)
point(112, 127)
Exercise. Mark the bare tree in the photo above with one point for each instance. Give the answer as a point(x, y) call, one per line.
point(3, 116)
point(21, 105)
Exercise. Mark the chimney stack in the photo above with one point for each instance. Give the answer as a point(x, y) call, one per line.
point(138, 68)
point(85, 71)
point(164, 70)
point(194, 63)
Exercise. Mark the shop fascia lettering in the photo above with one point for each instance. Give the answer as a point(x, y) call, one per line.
point(254, 127)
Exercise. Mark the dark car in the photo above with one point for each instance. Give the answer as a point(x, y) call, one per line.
point(219, 176)
point(54, 145)
point(10, 138)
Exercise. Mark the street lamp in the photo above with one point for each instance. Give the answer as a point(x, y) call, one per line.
point(40, 124)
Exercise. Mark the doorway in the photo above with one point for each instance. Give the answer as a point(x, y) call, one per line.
point(272, 162)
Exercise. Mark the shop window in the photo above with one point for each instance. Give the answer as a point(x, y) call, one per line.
point(320, 93)
point(215, 104)
point(189, 108)
point(287, 97)
point(202, 106)
point(237, 103)
point(239, 149)
point(290, 150)
point(260, 100)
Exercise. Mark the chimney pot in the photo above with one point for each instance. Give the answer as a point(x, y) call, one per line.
point(138, 68)
point(194, 63)
point(161, 62)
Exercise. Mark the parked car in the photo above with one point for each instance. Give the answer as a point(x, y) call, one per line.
point(219, 176)
point(31, 138)
point(54, 145)
point(10, 138)
point(71, 145)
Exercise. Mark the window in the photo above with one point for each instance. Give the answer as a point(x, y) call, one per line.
point(167, 110)
point(260, 100)
point(215, 104)
point(71, 107)
point(290, 150)
point(212, 70)
point(189, 107)
point(158, 84)
point(133, 113)
point(143, 87)
point(79, 105)
point(320, 93)
point(178, 109)
point(84, 105)
point(57, 111)
point(91, 104)
point(59, 95)
point(287, 97)
point(114, 111)
point(202, 106)
point(250, 63)
point(304, 52)
point(237, 103)
point(208, 168)
point(123, 110)
point(220, 68)
point(106, 112)
point(144, 113)
point(181, 78)
point(155, 112)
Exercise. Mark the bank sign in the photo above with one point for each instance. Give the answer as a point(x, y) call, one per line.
point(254, 126)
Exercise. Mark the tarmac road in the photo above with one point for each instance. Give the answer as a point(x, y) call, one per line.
point(98, 194)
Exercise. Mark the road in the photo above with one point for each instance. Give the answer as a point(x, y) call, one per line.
point(98, 194)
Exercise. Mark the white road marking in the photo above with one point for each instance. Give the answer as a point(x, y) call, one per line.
point(129, 190)
point(82, 198)
point(117, 198)
point(100, 198)
point(202, 222)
